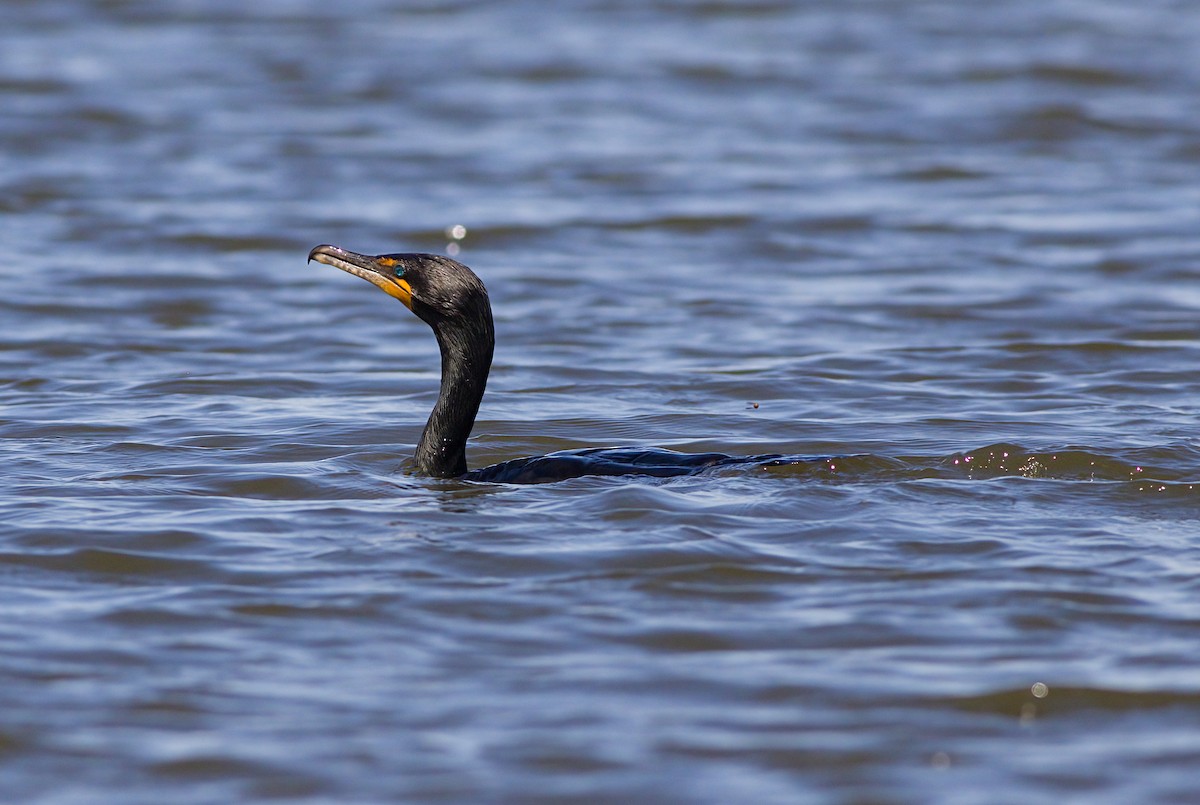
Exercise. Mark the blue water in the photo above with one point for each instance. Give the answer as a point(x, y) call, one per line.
point(948, 251)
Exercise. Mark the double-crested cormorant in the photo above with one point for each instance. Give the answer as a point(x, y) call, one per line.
point(448, 297)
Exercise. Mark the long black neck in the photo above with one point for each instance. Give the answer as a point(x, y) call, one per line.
point(466, 343)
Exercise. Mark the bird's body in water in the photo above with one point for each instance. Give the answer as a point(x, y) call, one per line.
point(447, 296)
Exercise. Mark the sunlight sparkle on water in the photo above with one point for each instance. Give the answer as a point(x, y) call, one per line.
point(456, 233)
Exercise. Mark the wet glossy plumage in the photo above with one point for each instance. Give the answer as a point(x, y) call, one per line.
point(453, 301)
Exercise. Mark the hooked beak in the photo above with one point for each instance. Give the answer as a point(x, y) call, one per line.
point(379, 271)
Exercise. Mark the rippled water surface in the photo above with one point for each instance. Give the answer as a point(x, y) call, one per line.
point(946, 251)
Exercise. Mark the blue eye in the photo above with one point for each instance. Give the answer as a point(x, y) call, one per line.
point(399, 271)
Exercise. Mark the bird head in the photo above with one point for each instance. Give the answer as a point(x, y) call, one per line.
point(435, 288)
